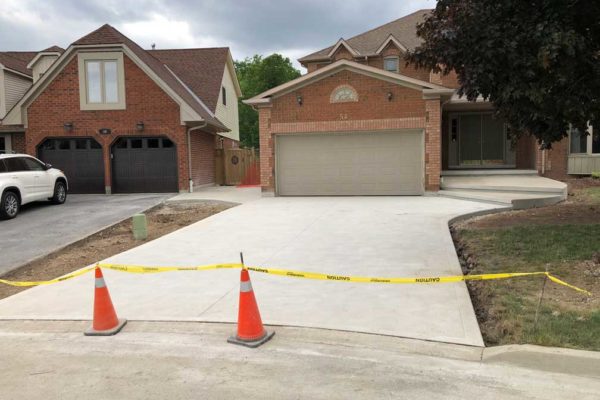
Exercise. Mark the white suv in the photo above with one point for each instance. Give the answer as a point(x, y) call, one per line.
point(24, 179)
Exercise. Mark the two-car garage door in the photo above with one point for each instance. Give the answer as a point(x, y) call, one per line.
point(346, 164)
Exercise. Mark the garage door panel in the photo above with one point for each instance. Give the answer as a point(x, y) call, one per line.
point(378, 163)
point(81, 160)
point(144, 169)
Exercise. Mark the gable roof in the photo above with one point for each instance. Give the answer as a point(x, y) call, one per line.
point(17, 60)
point(53, 50)
point(200, 69)
point(404, 30)
point(108, 36)
point(428, 88)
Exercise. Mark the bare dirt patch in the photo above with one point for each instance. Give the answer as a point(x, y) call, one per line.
point(162, 219)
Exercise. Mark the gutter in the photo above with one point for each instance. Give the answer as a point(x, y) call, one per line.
point(189, 146)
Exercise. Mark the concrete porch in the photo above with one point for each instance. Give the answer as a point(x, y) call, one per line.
point(518, 188)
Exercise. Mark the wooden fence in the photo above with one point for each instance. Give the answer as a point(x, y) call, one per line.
point(237, 167)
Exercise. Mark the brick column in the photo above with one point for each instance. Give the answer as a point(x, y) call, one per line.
point(433, 144)
point(267, 151)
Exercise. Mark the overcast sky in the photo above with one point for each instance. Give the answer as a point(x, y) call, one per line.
point(291, 27)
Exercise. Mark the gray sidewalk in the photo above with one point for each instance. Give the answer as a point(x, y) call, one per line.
point(51, 360)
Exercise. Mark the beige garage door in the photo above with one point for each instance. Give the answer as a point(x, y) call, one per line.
point(377, 163)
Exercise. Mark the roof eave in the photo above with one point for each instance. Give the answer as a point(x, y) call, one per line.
point(265, 97)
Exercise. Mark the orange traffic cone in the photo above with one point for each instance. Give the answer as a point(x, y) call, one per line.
point(105, 321)
point(250, 330)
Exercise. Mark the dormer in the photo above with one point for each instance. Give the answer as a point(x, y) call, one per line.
point(43, 60)
point(342, 50)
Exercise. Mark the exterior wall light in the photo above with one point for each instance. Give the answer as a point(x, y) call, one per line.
point(139, 126)
point(390, 96)
point(68, 126)
point(299, 99)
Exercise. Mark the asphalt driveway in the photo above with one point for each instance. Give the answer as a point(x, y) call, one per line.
point(42, 228)
point(368, 236)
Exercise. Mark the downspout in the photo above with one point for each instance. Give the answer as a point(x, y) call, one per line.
point(543, 161)
point(189, 146)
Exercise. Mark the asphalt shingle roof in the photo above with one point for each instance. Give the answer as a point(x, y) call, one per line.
point(200, 69)
point(17, 60)
point(403, 29)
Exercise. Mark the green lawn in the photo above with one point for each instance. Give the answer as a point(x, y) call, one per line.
point(506, 309)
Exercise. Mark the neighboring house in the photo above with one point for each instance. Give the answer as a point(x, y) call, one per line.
point(117, 118)
point(15, 79)
point(362, 122)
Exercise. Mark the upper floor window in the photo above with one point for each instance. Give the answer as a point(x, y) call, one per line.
point(101, 81)
point(391, 64)
point(224, 95)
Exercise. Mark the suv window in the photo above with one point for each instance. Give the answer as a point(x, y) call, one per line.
point(15, 164)
point(3, 167)
point(33, 165)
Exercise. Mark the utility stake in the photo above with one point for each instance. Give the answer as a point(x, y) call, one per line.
point(537, 310)
point(242, 260)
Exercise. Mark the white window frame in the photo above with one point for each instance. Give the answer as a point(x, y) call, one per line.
point(396, 58)
point(590, 139)
point(117, 57)
point(7, 142)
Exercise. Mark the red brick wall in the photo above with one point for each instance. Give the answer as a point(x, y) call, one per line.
point(372, 101)
point(525, 152)
point(18, 142)
point(145, 101)
point(433, 144)
point(555, 160)
point(372, 111)
point(203, 158)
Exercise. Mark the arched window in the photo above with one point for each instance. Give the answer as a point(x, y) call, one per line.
point(343, 94)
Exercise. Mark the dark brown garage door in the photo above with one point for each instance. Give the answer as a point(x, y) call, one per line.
point(80, 159)
point(144, 165)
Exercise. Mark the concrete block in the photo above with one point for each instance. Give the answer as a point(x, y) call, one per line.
point(140, 227)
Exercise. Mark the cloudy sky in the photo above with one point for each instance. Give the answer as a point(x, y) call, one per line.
point(291, 27)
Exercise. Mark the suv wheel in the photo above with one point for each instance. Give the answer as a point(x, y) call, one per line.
point(60, 193)
point(9, 205)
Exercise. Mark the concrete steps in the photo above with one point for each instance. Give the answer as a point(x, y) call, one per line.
point(489, 172)
point(519, 188)
point(517, 200)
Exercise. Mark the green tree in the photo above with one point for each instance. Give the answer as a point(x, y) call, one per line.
point(537, 61)
point(256, 75)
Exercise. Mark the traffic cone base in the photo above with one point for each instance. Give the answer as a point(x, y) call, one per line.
point(108, 332)
point(251, 343)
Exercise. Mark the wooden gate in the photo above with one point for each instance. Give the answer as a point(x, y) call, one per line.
point(237, 167)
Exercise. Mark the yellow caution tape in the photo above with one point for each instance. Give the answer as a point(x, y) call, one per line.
point(426, 280)
point(50, 282)
point(139, 269)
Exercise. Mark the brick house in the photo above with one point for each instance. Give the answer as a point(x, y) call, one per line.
point(117, 118)
point(361, 122)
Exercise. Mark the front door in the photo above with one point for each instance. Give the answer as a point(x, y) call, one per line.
point(482, 141)
point(5, 143)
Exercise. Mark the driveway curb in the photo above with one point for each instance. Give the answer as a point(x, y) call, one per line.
point(550, 359)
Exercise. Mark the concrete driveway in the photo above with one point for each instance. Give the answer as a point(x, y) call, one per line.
point(369, 236)
point(42, 228)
